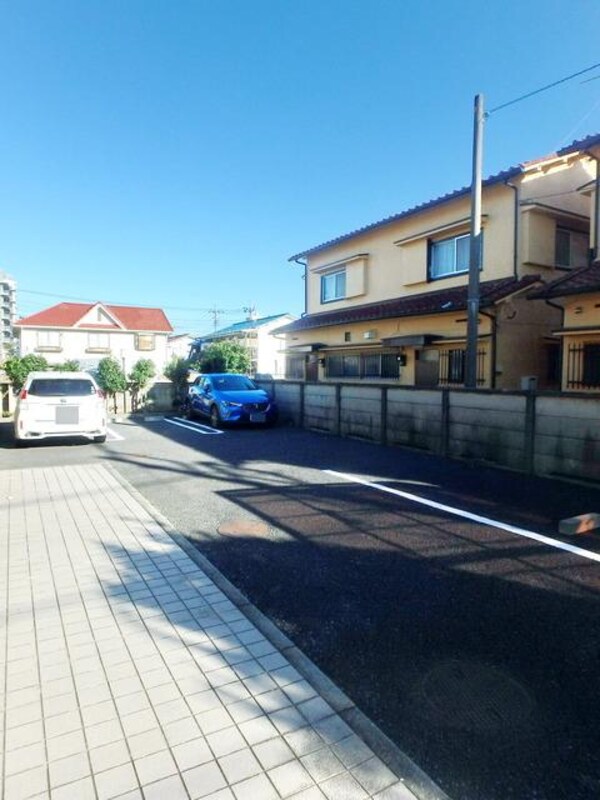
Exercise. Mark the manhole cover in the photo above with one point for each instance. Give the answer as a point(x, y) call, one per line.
point(464, 694)
point(243, 527)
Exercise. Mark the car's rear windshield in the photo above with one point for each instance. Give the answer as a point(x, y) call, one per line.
point(233, 383)
point(58, 387)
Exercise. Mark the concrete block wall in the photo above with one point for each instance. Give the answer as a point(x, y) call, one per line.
point(360, 411)
point(488, 427)
point(567, 436)
point(320, 411)
point(289, 400)
point(414, 418)
point(545, 434)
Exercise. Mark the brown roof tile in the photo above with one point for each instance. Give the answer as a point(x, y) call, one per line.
point(443, 300)
point(579, 281)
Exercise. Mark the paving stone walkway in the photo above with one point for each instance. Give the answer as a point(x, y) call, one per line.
point(128, 673)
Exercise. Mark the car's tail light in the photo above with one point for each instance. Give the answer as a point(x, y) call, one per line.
point(100, 393)
point(23, 394)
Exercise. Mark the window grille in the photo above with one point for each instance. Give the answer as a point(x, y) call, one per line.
point(583, 366)
point(452, 367)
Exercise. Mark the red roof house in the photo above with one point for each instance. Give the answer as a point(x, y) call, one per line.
point(88, 332)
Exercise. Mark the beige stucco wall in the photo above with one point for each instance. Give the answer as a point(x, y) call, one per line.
point(74, 344)
point(550, 186)
point(395, 268)
point(523, 330)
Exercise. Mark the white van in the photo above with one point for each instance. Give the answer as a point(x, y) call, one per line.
point(57, 404)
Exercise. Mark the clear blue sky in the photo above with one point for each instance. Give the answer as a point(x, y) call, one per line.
point(174, 153)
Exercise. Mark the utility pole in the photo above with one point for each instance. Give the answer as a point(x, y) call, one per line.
point(475, 247)
point(215, 313)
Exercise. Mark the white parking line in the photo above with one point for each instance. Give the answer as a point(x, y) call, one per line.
point(457, 512)
point(114, 437)
point(194, 426)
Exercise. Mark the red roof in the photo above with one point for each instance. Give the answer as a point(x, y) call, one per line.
point(131, 318)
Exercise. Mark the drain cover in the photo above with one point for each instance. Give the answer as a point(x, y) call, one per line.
point(243, 528)
point(468, 695)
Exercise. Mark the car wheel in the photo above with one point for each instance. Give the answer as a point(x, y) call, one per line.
point(100, 439)
point(215, 417)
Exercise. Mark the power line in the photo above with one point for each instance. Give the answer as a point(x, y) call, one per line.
point(542, 89)
point(121, 303)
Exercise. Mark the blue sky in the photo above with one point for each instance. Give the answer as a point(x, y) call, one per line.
point(174, 153)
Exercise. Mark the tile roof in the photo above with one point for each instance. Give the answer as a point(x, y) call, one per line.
point(67, 315)
point(578, 281)
point(500, 177)
point(438, 302)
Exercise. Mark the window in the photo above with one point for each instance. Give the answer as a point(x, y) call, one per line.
point(571, 248)
point(367, 365)
point(452, 367)
point(294, 368)
point(144, 341)
point(48, 340)
point(449, 256)
point(591, 365)
point(98, 342)
point(347, 336)
point(61, 387)
point(333, 286)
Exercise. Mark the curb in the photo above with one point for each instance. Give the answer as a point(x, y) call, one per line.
point(413, 777)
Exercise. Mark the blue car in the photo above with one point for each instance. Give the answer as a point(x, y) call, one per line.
point(230, 398)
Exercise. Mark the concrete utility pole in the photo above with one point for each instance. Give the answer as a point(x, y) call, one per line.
point(475, 248)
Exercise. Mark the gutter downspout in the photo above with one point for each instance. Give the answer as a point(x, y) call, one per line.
point(517, 226)
point(305, 278)
point(562, 341)
point(494, 322)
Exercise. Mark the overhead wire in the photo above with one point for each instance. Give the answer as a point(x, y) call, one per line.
point(542, 89)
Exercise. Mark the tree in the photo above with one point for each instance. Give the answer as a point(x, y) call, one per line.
point(18, 368)
point(140, 376)
point(177, 371)
point(111, 378)
point(67, 366)
point(226, 356)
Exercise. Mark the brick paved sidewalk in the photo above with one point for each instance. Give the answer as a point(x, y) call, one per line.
point(128, 673)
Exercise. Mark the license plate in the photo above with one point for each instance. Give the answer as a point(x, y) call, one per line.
point(67, 415)
point(258, 417)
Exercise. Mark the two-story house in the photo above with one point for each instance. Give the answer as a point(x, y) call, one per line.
point(267, 352)
point(88, 332)
point(388, 301)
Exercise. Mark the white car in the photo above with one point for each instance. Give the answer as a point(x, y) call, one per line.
point(57, 404)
